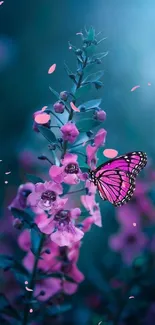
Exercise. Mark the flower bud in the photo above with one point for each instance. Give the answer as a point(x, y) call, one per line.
point(98, 84)
point(18, 224)
point(59, 107)
point(100, 115)
point(98, 61)
point(64, 95)
point(78, 52)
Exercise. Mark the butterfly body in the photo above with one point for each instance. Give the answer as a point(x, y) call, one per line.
point(115, 179)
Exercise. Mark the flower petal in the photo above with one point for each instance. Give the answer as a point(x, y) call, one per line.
point(52, 68)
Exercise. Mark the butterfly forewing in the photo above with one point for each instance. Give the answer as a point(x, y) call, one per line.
point(115, 179)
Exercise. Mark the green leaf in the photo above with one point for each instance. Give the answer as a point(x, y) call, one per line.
point(56, 310)
point(91, 104)
point(56, 275)
point(90, 50)
point(56, 94)
point(86, 124)
point(100, 55)
point(34, 179)
point(5, 261)
point(94, 77)
point(91, 34)
point(82, 91)
point(35, 241)
point(48, 134)
point(22, 215)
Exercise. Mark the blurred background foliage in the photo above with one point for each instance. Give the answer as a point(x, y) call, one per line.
point(34, 35)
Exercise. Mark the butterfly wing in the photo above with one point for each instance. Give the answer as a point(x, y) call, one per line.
point(132, 162)
point(116, 186)
point(115, 179)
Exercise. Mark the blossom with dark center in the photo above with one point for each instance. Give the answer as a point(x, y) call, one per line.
point(69, 172)
point(61, 227)
point(21, 200)
point(46, 197)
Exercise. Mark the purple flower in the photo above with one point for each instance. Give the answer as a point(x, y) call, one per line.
point(69, 132)
point(100, 115)
point(61, 227)
point(69, 172)
point(91, 151)
point(45, 197)
point(59, 107)
point(130, 240)
point(21, 200)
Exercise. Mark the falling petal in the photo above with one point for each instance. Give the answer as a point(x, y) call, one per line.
point(149, 84)
point(79, 33)
point(131, 297)
point(43, 108)
point(42, 118)
point(1, 2)
point(134, 224)
point(6, 182)
point(110, 153)
point(70, 48)
point(7, 173)
point(134, 88)
point(28, 289)
point(26, 282)
point(31, 310)
point(76, 109)
point(52, 68)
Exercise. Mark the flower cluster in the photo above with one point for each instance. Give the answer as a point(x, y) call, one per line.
point(53, 227)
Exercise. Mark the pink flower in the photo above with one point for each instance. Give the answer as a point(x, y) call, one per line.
point(61, 227)
point(24, 240)
point(21, 200)
point(91, 151)
point(45, 197)
point(47, 288)
point(35, 125)
point(69, 172)
point(69, 132)
point(100, 115)
point(130, 240)
point(90, 204)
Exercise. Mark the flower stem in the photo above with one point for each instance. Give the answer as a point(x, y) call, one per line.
point(29, 294)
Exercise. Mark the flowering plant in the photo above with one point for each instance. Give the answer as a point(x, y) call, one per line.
point(52, 229)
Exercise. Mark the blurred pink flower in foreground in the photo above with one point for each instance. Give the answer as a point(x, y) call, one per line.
point(69, 132)
point(69, 172)
point(129, 241)
point(61, 227)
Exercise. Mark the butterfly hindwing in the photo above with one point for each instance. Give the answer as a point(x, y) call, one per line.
point(115, 179)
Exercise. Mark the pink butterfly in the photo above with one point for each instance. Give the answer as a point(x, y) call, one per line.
point(115, 179)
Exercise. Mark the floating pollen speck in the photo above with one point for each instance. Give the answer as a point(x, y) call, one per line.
point(134, 224)
point(79, 33)
point(26, 282)
point(1, 160)
point(131, 297)
point(7, 173)
point(31, 310)
point(6, 182)
point(149, 84)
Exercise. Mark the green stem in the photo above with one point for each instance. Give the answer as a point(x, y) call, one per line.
point(71, 111)
point(29, 294)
